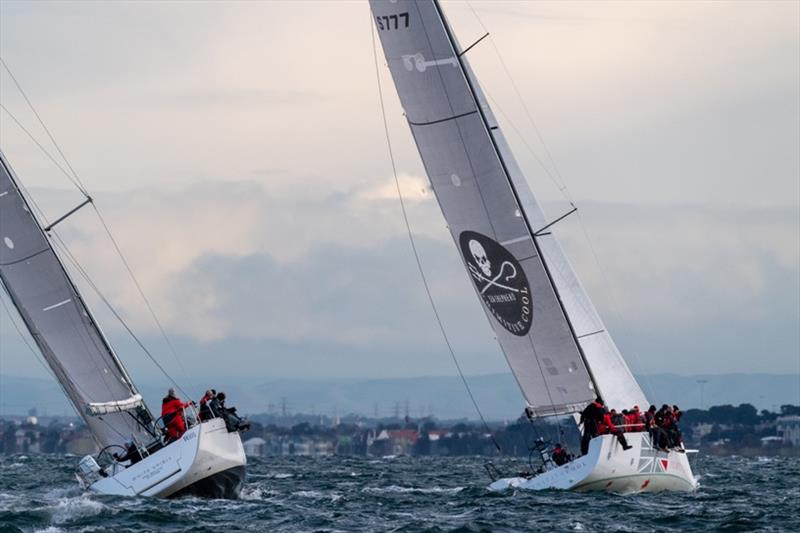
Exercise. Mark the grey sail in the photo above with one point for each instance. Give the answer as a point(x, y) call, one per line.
point(483, 206)
point(60, 323)
point(612, 377)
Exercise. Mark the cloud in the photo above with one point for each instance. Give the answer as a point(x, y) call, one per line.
point(232, 263)
point(232, 145)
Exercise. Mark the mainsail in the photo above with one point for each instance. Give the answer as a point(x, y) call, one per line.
point(554, 341)
point(61, 324)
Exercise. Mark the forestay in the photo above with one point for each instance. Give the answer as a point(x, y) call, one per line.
point(481, 204)
point(60, 324)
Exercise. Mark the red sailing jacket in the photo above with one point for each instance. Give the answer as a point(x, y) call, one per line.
point(172, 413)
point(607, 426)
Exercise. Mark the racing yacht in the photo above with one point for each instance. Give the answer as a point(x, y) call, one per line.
point(558, 348)
point(207, 460)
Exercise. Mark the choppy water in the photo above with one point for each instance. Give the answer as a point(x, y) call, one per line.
point(39, 493)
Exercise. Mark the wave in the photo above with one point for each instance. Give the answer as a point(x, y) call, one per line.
point(419, 490)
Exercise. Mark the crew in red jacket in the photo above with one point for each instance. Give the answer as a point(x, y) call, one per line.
point(172, 415)
point(609, 427)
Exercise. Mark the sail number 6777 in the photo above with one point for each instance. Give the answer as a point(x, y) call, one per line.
point(392, 22)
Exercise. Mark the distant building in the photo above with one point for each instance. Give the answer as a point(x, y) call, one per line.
point(789, 429)
point(394, 442)
point(255, 447)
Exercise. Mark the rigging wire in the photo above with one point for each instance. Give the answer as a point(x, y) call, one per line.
point(412, 241)
point(75, 179)
point(74, 262)
point(24, 339)
point(560, 183)
point(36, 142)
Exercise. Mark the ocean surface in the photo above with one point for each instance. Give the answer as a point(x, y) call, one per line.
point(39, 493)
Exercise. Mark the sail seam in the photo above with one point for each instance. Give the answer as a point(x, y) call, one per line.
point(414, 246)
point(592, 333)
point(458, 128)
point(432, 122)
point(514, 192)
point(31, 256)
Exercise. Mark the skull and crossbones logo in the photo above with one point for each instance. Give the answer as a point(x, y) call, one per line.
point(499, 279)
point(483, 271)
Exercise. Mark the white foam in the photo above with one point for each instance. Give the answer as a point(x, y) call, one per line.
point(67, 509)
point(317, 495)
point(256, 494)
point(419, 490)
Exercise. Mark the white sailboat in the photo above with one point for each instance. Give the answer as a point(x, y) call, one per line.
point(553, 338)
point(207, 460)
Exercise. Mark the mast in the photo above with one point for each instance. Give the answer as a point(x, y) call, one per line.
point(59, 321)
point(484, 214)
point(467, 77)
point(551, 335)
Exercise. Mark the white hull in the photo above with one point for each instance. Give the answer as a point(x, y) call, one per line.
point(609, 468)
point(207, 454)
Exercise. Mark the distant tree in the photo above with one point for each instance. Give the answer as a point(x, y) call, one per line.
point(304, 428)
point(788, 409)
point(728, 414)
point(768, 416)
point(428, 425)
point(423, 445)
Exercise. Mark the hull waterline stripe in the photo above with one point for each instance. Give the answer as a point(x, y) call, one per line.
point(642, 474)
point(162, 480)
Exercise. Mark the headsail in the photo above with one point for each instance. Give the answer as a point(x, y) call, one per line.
point(533, 300)
point(60, 323)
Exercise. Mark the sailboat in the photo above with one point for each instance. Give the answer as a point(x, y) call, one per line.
point(207, 460)
point(553, 339)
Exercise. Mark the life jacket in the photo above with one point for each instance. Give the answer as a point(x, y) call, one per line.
point(607, 424)
point(638, 421)
point(171, 413)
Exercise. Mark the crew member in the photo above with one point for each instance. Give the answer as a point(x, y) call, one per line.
point(233, 422)
point(172, 415)
point(609, 427)
point(560, 455)
point(591, 417)
point(206, 412)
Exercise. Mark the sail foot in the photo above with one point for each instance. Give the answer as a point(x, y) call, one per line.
point(116, 406)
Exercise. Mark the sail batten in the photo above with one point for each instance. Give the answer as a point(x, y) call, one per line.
point(556, 345)
point(59, 322)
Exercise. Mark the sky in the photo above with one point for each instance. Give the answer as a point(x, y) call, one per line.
point(236, 151)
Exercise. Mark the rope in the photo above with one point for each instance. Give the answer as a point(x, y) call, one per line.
point(414, 246)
